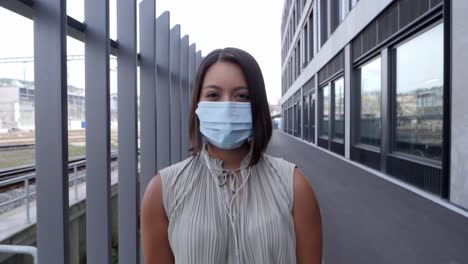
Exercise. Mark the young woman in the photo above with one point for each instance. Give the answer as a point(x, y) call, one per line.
point(230, 202)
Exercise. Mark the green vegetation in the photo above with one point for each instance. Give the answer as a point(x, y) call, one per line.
point(22, 157)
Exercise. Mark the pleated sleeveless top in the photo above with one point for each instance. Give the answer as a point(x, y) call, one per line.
point(218, 217)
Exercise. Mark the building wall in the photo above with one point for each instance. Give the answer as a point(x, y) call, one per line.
point(7, 107)
point(412, 113)
point(17, 109)
point(459, 140)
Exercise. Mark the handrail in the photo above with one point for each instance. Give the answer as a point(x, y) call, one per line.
point(26, 178)
point(15, 249)
point(30, 167)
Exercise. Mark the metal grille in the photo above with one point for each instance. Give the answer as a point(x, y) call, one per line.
point(369, 37)
point(157, 63)
point(336, 147)
point(323, 74)
point(357, 47)
point(396, 17)
point(366, 157)
point(334, 66)
point(309, 85)
point(426, 177)
point(388, 23)
point(297, 96)
point(410, 10)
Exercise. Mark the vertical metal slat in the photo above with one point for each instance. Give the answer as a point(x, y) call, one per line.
point(162, 91)
point(184, 95)
point(98, 219)
point(148, 156)
point(175, 93)
point(198, 60)
point(50, 73)
point(192, 68)
point(127, 131)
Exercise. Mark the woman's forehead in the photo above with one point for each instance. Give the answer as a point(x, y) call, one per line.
point(224, 75)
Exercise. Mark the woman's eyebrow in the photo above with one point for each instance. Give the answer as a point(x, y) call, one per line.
point(214, 86)
point(239, 88)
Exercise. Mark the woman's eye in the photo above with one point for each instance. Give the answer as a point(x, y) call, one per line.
point(211, 95)
point(243, 96)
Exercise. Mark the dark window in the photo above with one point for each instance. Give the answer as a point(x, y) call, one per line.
point(369, 131)
point(324, 110)
point(338, 13)
point(298, 58)
point(323, 22)
point(312, 118)
point(339, 112)
point(419, 95)
point(342, 10)
point(335, 14)
point(306, 45)
point(305, 116)
point(311, 35)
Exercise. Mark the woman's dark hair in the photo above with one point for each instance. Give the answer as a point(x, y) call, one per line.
point(261, 120)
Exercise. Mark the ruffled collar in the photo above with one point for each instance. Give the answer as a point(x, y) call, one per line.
point(217, 164)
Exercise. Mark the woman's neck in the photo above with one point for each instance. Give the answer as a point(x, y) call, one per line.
point(231, 158)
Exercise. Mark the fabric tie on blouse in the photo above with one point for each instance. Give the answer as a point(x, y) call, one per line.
point(230, 216)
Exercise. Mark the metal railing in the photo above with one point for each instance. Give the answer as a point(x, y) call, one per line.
point(13, 249)
point(27, 197)
point(167, 64)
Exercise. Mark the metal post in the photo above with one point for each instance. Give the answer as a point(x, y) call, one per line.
point(50, 74)
point(127, 131)
point(15, 249)
point(148, 106)
point(317, 115)
point(386, 114)
point(162, 91)
point(98, 217)
point(192, 68)
point(175, 93)
point(26, 199)
point(348, 81)
point(184, 95)
point(198, 60)
point(75, 181)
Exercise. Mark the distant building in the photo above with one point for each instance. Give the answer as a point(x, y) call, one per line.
point(17, 105)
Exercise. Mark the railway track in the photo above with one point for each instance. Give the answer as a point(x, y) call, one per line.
point(15, 172)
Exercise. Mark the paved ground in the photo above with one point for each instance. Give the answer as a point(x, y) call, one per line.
point(369, 220)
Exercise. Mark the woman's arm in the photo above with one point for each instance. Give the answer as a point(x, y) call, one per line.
point(154, 223)
point(307, 222)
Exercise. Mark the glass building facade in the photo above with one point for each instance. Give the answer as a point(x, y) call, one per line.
point(379, 93)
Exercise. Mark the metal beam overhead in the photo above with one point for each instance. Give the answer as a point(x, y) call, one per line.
point(75, 28)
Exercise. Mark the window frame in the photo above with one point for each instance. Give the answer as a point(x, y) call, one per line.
point(393, 151)
point(356, 108)
point(333, 109)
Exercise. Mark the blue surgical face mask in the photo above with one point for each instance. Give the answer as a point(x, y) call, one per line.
point(226, 125)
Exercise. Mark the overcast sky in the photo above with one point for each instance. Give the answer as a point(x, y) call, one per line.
point(250, 25)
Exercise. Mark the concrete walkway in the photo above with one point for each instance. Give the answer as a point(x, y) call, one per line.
point(367, 219)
